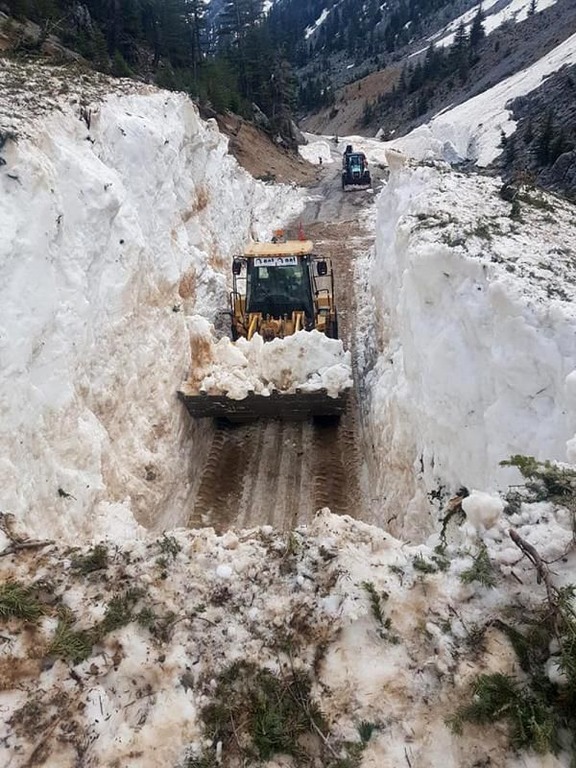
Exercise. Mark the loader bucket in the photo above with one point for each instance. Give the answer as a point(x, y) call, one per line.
point(296, 406)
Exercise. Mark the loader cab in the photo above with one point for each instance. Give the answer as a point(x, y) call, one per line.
point(278, 286)
point(356, 164)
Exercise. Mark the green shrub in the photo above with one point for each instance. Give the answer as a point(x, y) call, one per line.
point(19, 602)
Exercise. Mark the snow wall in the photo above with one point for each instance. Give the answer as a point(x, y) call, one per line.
point(473, 341)
point(117, 222)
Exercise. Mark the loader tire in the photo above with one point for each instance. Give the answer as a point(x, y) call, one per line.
point(326, 422)
point(332, 330)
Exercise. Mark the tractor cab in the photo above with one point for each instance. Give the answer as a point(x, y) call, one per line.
point(355, 173)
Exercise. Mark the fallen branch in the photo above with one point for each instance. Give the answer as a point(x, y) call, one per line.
point(542, 571)
point(19, 545)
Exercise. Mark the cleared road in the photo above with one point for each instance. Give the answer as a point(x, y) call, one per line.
point(279, 473)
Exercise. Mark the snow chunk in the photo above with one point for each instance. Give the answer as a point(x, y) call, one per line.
point(482, 509)
point(307, 360)
point(224, 571)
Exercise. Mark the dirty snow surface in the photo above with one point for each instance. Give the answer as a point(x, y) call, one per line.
point(306, 361)
point(139, 651)
point(129, 641)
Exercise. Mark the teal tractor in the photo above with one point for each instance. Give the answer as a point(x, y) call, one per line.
point(355, 173)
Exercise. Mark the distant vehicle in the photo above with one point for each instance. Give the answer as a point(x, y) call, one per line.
point(355, 173)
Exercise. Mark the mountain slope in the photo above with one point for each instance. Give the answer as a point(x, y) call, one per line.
point(394, 100)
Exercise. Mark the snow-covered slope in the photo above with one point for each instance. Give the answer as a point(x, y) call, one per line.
point(119, 212)
point(473, 130)
point(495, 14)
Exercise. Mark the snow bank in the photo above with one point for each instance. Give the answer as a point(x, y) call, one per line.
point(120, 212)
point(307, 361)
point(317, 151)
point(475, 338)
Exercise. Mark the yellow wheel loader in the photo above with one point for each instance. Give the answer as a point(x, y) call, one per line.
point(280, 288)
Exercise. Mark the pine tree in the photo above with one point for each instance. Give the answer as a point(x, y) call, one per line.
point(545, 140)
point(100, 51)
point(477, 33)
point(532, 8)
point(460, 52)
point(459, 48)
point(119, 66)
point(194, 18)
point(238, 19)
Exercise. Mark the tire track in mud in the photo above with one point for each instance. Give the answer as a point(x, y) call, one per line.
point(279, 474)
point(216, 500)
point(262, 478)
point(336, 467)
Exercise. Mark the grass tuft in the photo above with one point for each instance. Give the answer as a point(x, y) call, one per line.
point(256, 714)
point(95, 560)
point(365, 730)
point(169, 546)
point(424, 566)
point(498, 696)
point(119, 610)
point(375, 604)
point(67, 643)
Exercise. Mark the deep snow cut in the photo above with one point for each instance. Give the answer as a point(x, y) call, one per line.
point(466, 355)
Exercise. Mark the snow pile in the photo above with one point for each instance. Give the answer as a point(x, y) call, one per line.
point(473, 130)
point(482, 509)
point(473, 356)
point(120, 213)
point(318, 150)
point(307, 361)
point(388, 634)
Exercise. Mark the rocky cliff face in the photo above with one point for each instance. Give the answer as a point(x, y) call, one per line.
point(543, 148)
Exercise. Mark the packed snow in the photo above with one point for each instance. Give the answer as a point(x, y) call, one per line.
point(473, 353)
point(305, 361)
point(467, 354)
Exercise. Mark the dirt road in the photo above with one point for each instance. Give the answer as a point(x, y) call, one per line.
point(279, 473)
